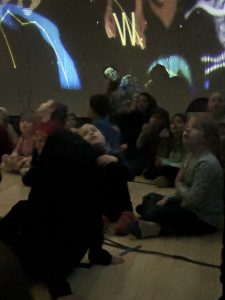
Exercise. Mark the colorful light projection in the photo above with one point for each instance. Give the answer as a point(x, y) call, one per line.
point(31, 6)
point(175, 65)
point(112, 22)
point(126, 24)
point(215, 8)
point(68, 75)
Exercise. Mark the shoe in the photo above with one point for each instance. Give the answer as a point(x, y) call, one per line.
point(143, 229)
point(161, 181)
point(126, 218)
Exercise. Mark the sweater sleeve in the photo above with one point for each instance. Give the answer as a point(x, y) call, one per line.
point(204, 177)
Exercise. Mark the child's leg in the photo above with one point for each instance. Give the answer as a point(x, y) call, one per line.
point(178, 220)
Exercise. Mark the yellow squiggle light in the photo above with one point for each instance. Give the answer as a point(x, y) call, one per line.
point(131, 30)
point(8, 46)
point(126, 19)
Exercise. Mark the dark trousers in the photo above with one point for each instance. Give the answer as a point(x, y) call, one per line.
point(172, 217)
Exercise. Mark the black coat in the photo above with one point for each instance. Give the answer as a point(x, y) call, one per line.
point(60, 221)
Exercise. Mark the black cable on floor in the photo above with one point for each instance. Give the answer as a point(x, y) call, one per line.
point(114, 244)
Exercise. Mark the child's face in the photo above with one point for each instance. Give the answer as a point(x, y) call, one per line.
point(177, 125)
point(142, 103)
point(26, 126)
point(216, 104)
point(155, 120)
point(91, 134)
point(193, 136)
point(70, 122)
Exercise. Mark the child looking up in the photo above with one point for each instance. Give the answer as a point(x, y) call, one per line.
point(113, 177)
point(197, 206)
point(21, 155)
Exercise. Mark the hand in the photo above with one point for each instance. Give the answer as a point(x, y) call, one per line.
point(123, 147)
point(179, 178)
point(110, 24)
point(117, 260)
point(163, 202)
point(105, 159)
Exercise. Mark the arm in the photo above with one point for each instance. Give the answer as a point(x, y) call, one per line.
point(205, 176)
point(110, 25)
point(143, 136)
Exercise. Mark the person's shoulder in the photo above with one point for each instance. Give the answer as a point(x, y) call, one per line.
point(210, 161)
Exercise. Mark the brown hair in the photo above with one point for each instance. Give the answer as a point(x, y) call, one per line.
point(210, 130)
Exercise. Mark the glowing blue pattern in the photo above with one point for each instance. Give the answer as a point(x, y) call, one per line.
point(215, 8)
point(175, 65)
point(68, 75)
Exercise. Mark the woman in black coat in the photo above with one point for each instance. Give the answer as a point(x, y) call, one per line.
point(60, 222)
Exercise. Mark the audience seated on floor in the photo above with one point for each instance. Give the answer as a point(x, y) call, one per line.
point(197, 206)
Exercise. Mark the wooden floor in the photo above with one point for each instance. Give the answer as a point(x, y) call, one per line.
point(142, 276)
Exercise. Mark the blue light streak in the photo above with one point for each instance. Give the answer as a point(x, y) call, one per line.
point(68, 75)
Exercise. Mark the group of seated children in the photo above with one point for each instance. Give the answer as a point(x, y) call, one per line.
point(79, 184)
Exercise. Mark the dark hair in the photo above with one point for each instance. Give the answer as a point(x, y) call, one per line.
point(183, 117)
point(210, 130)
point(60, 113)
point(67, 152)
point(72, 115)
point(100, 104)
point(164, 116)
point(29, 116)
point(151, 100)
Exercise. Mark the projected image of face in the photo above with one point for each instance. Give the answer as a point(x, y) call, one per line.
point(134, 28)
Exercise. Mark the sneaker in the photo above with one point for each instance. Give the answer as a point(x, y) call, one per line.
point(126, 218)
point(161, 181)
point(143, 229)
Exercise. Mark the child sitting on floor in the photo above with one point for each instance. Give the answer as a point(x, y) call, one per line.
point(21, 155)
point(168, 166)
point(197, 206)
point(113, 177)
point(152, 142)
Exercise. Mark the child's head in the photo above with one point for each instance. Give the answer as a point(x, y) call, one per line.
point(27, 121)
point(145, 102)
point(91, 134)
point(177, 124)
point(99, 105)
point(216, 104)
point(201, 133)
point(71, 121)
point(160, 118)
